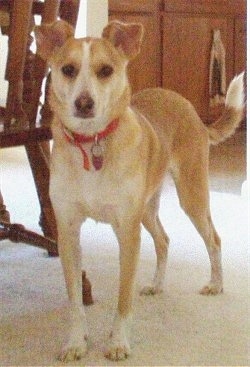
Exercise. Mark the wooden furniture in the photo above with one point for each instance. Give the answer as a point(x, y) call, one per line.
point(19, 125)
point(23, 121)
point(176, 50)
point(187, 36)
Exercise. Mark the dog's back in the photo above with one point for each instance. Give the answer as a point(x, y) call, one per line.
point(178, 126)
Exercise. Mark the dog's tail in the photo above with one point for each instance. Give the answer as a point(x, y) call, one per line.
point(226, 125)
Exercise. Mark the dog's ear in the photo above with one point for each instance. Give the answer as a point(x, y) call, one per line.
point(126, 37)
point(50, 37)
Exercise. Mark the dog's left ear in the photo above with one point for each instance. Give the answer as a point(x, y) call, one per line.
point(50, 37)
point(126, 37)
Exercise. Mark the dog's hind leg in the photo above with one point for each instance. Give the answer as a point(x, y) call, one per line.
point(192, 187)
point(152, 223)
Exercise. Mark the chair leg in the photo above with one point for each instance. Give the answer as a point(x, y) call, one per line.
point(17, 233)
point(87, 298)
point(38, 159)
point(4, 214)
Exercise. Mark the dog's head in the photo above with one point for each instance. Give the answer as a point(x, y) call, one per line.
point(89, 79)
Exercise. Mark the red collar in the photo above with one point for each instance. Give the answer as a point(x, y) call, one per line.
point(81, 138)
point(78, 139)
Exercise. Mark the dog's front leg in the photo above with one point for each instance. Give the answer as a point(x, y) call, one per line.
point(70, 254)
point(129, 241)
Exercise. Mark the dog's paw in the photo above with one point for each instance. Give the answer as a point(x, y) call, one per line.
point(118, 352)
point(118, 347)
point(211, 289)
point(150, 291)
point(72, 353)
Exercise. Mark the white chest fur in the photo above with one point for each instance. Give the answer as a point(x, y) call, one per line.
point(105, 195)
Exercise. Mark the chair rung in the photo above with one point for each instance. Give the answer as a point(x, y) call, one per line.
point(12, 138)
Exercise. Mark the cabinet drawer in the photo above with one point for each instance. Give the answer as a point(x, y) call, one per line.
point(143, 6)
point(226, 7)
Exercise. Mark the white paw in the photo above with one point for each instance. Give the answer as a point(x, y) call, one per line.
point(211, 289)
point(73, 353)
point(150, 291)
point(118, 348)
point(75, 347)
point(118, 352)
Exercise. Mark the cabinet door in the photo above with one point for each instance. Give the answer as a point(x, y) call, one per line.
point(145, 70)
point(187, 42)
point(240, 56)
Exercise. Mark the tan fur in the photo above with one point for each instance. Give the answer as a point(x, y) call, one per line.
point(158, 131)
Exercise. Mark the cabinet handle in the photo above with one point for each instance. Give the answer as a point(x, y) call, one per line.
point(217, 72)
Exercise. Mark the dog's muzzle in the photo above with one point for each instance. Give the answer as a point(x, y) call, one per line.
point(84, 106)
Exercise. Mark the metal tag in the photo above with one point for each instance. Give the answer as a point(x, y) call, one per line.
point(97, 155)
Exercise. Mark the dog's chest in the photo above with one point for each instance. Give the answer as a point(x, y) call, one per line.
point(98, 196)
point(105, 195)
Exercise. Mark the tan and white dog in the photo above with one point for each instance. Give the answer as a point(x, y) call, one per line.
point(109, 160)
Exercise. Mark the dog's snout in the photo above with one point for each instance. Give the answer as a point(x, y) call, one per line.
point(84, 106)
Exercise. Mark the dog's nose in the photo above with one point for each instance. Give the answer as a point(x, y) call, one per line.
point(84, 106)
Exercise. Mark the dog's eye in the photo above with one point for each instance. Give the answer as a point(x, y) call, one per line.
point(69, 70)
point(105, 71)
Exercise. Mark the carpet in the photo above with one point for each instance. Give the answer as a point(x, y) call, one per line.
point(178, 327)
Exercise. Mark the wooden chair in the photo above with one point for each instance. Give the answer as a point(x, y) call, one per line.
point(23, 121)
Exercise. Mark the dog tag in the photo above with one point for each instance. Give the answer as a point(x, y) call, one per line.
point(97, 155)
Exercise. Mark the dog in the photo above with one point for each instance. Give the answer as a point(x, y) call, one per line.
point(110, 155)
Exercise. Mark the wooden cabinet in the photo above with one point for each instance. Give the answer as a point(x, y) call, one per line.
point(178, 41)
point(145, 70)
point(187, 41)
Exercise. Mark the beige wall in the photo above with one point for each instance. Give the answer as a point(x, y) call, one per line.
point(93, 16)
point(3, 83)
point(97, 17)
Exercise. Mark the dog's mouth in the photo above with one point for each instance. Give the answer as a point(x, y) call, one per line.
point(84, 115)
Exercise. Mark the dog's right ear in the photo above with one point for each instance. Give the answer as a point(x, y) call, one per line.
point(50, 37)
